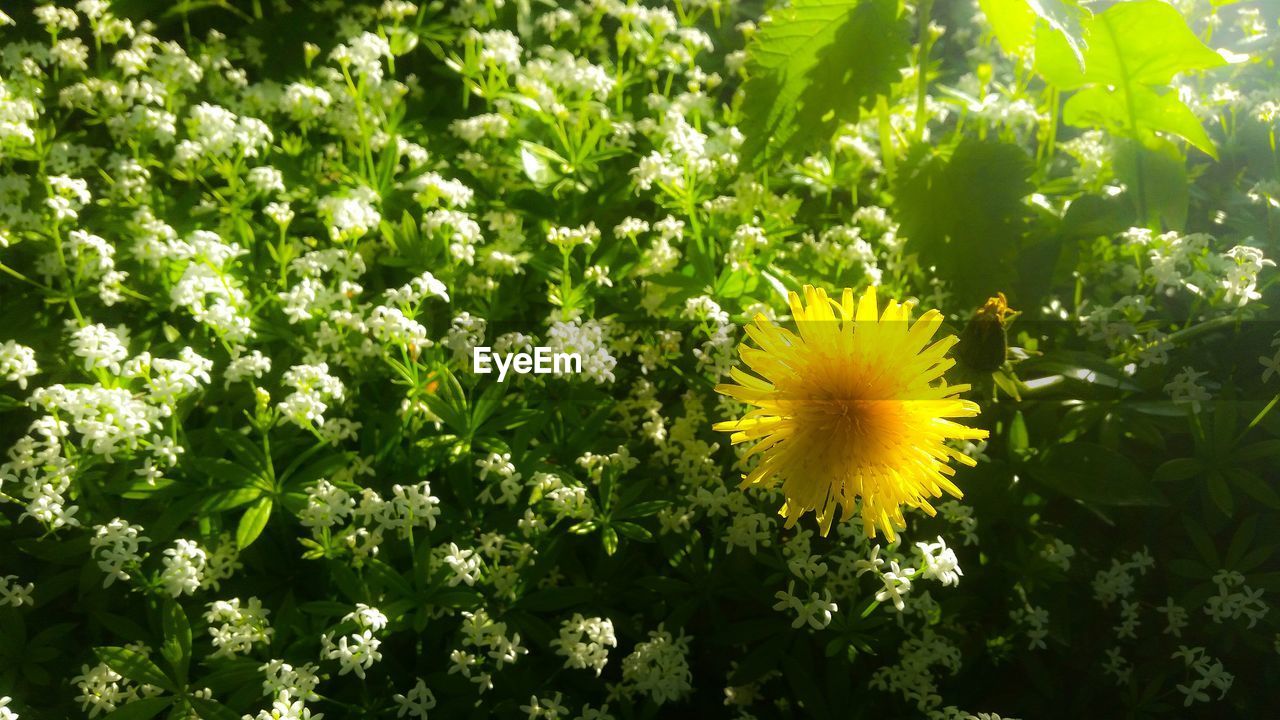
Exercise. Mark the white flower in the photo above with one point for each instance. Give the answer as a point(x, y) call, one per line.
point(235, 629)
point(115, 546)
point(1186, 389)
point(416, 702)
point(101, 347)
point(350, 215)
point(659, 667)
point(367, 617)
point(283, 679)
point(313, 388)
point(940, 562)
point(286, 708)
point(252, 365)
point(14, 594)
point(184, 566)
point(584, 642)
point(17, 363)
point(355, 653)
point(464, 563)
point(327, 505)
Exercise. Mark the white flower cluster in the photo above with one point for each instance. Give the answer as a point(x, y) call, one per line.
point(585, 642)
point(184, 568)
point(1117, 582)
point(1036, 620)
point(235, 628)
point(913, 676)
point(15, 594)
point(588, 340)
point(659, 667)
point(1235, 599)
point(483, 635)
point(313, 388)
point(1209, 674)
point(816, 611)
point(356, 652)
point(351, 215)
point(283, 680)
point(416, 702)
point(116, 547)
point(17, 363)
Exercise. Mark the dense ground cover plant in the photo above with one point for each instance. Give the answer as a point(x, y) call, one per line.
point(248, 248)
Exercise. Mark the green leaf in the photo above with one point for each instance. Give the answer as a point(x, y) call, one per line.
point(1157, 177)
point(228, 474)
point(242, 447)
point(964, 214)
point(253, 522)
point(1178, 469)
point(213, 710)
point(176, 647)
point(135, 666)
point(1017, 23)
point(449, 403)
point(1258, 450)
point(1018, 439)
point(1095, 474)
point(1139, 112)
point(1202, 542)
point(540, 164)
point(488, 403)
point(1254, 486)
point(229, 499)
point(633, 531)
point(643, 509)
point(141, 709)
point(1241, 541)
point(609, 539)
point(1145, 42)
point(1220, 493)
point(815, 65)
point(1135, 49)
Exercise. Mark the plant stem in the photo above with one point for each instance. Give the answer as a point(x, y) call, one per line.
point(923, 11)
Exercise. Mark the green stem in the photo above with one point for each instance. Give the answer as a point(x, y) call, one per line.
point(922, 66)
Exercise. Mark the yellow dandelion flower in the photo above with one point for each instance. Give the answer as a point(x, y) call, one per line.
point(853, 406)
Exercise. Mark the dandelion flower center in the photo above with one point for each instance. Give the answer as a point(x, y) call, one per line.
point(852, 411)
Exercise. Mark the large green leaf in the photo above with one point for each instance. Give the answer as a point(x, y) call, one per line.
point(1139, 111)
point(1016, 23)
point(1135, 49)
point(817, 64)
point(964, 214)
point(1157, 177)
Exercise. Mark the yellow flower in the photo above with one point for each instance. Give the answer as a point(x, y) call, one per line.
point(854, 406)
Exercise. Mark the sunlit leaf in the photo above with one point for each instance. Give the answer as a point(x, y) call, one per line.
point(817, 64)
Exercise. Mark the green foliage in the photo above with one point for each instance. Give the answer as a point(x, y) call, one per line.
point(963, 211)
point(1135, 49)
point(1017, 23)
point(817, 64)
point(634, 181)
